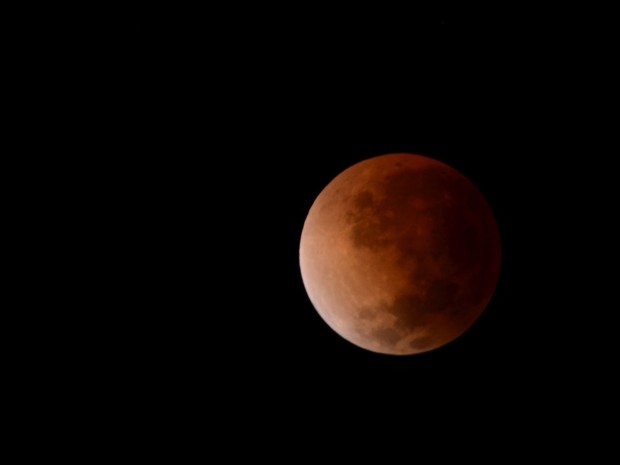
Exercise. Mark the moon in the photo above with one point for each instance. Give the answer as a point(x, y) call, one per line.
point(400, 254)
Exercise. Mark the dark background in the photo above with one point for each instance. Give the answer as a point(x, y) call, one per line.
point(216, 130)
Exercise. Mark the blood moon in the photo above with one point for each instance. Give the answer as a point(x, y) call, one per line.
point(400, 254)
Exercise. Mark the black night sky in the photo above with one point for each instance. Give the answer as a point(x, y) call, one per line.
point(218, 140)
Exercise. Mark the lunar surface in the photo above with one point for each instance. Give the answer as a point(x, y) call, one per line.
point(400, 254)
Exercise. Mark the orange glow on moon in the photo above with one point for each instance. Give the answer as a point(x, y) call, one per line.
point(400, 254)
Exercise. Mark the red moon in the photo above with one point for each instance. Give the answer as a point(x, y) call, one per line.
point(400, 254)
